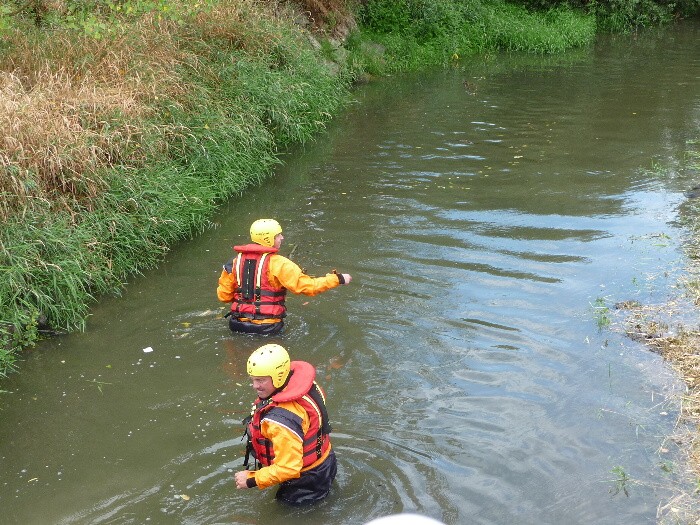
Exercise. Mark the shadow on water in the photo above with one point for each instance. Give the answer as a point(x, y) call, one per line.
point(482, 212)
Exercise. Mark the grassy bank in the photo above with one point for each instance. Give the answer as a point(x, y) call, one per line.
point(126, 123)
point(122, 133)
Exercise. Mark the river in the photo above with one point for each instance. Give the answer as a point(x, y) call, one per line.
point(489, 214)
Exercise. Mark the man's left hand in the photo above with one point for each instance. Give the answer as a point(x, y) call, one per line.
point(241, 478)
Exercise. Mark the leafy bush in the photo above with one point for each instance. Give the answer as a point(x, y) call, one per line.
point(620, 16)
point(417, 33)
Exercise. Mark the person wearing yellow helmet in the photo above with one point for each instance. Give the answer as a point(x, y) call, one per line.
point(264, 231)
point(256, 281)
point(288, 430)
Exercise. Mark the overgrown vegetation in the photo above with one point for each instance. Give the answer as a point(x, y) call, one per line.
point(417, 33)
point(125, 122)
point(623, 15)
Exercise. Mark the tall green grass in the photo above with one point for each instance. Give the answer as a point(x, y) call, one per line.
point(420, 33)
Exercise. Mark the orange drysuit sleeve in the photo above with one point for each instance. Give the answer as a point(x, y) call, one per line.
point(286, 273)
point(227, 284)
point(281, 273)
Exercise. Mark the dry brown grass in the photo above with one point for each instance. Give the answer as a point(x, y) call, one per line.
point(680, 347)
point(73, 105)
point(62, 121)
point(55, 135)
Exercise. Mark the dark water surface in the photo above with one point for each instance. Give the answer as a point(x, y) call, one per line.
point(482, 212)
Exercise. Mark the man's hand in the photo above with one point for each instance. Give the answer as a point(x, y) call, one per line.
point(343, 278)
point(241, 478)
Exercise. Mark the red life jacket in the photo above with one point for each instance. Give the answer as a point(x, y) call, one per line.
point(255, 297)
point(302, 389)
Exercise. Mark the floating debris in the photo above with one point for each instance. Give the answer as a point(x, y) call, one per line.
point(627, 305)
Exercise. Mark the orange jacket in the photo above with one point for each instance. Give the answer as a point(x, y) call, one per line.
point(288, 447)
point(282, 273)
point(285, 428)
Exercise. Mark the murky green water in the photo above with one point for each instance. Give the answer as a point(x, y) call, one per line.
point(481, 212)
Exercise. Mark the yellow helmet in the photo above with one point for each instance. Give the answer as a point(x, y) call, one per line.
point(270, 360)
point(264, 231)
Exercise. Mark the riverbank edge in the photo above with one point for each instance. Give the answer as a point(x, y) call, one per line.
point(665, 329)
point(196, 107)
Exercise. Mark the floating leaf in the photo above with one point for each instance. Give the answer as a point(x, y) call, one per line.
point(335, 364)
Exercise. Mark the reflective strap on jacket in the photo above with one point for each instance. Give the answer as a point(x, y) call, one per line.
point(258, 278)
point(248, 296)
point(318, 438)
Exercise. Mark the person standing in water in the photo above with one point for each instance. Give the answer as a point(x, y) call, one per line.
point(256, 281)
point(288, 430)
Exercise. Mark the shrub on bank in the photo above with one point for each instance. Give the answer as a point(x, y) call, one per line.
point(418, 33)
